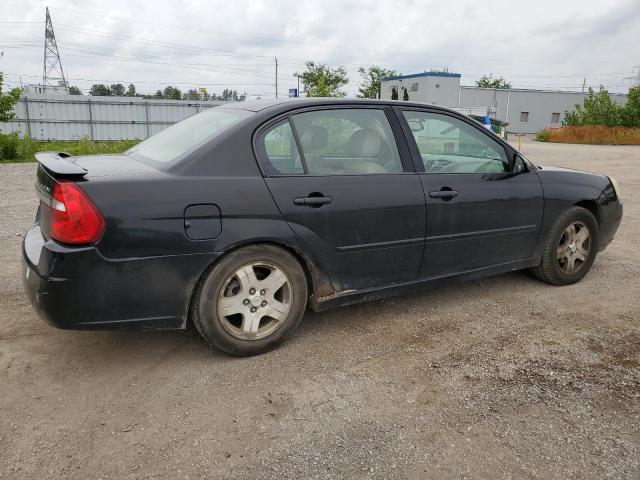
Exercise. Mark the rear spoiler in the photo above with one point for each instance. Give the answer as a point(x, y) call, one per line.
point(57, 163)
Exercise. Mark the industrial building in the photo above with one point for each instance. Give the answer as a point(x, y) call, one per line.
point(525, 110)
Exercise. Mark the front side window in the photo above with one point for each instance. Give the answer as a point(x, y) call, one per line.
point(347, 142)
point(450, 145)
point(185, 136)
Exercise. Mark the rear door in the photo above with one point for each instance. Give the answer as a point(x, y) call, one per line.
point(348, 191)
point(482, 209)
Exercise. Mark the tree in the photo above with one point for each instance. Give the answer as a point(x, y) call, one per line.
point(405, 95)
point(172, 93)
point(192, 94)
point(490, 82)
point(99, 90)
point(371, 80)
point(158, 94)
point(117, 90)
point(631, 111)
point(394, 93)
point(322, 81)
point(597, 109)
point(229, 95)
point(73, 90)
point(8, 101)
point(131, 90)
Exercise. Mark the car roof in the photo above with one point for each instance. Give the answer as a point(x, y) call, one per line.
point(285, 103)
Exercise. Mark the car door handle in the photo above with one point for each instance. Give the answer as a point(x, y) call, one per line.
point(444, 194)
point(312, 201)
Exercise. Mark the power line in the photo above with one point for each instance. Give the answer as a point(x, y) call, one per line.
point(291, 61)
point(142, 81)
point(90, 51)
point(214, 32)
point(116, 57)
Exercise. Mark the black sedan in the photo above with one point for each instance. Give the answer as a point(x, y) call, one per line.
point(239, 217)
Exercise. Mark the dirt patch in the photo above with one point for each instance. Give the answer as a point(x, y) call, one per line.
point(505, 377)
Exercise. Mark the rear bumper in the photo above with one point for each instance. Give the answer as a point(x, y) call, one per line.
point(77, 288)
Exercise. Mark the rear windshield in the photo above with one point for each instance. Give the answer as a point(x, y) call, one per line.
point(176, 141)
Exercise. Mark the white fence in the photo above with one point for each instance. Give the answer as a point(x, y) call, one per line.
point(72, 117)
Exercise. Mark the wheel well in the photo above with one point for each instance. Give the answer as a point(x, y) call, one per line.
point(318, 283)
point(592, 207)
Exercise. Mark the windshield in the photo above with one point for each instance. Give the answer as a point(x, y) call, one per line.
point(185, 136)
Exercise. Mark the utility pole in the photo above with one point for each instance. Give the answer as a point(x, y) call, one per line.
point(584, 84)
point(276, 58)
point(52, 73)
point(297, 75)
point(634, 81)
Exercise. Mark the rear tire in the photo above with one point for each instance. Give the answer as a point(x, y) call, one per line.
point(251, 300)
point(569, 249)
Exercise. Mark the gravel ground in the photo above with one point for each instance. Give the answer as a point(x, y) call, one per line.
point(500, 378)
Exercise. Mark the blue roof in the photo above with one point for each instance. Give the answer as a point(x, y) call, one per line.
point(424, 74)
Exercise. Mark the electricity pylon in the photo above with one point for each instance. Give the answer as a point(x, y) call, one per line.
point(52, 73)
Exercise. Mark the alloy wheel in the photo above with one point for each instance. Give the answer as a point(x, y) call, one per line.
point(574, 248)
point(255, 301)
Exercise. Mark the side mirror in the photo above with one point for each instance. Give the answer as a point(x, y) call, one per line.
point(519, 164)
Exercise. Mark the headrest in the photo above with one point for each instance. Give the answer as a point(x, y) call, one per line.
point(365, 143)
point(314, 138)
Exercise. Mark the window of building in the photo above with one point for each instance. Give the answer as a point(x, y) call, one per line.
point(555, 117)
point(524, 117)
point(414, 87)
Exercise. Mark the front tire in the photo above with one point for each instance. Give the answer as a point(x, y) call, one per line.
point(569, 249)
point(251, 300)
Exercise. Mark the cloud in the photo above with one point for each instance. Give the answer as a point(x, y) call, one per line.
point(233, 44)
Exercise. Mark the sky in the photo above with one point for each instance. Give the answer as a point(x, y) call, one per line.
point(233, 44)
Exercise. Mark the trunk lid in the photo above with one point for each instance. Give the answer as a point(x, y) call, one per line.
point(63, 165)
point(61, 174)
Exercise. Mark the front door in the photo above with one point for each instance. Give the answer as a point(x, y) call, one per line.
point(339, 181)
point(483, 210)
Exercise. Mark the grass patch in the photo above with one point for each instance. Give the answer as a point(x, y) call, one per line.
point(15, 149)
point(543, 135)
point(591, 135)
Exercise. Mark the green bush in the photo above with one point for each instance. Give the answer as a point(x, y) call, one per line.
point(599, 109)
point(543, 135)
point(631, 111)
point(9, 146)
point(27, 149)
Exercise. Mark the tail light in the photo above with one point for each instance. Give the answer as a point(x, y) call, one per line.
point(74, 217)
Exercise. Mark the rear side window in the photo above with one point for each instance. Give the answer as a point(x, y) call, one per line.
point(347, 142)
point(281, 152)
point(353, 141)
